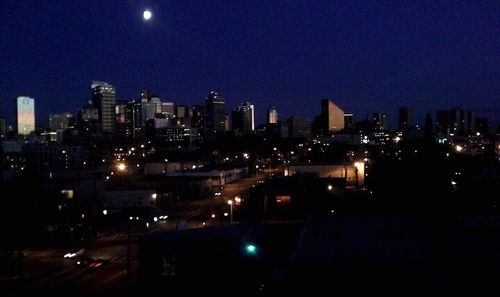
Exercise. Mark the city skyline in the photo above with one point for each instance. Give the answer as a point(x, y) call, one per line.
point(427, 59)
point(262, 148)
point(391, 122)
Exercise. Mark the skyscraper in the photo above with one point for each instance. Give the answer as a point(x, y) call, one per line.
point(182, 114)
point(443, 122)
point(349, 122)
point(134, 124)
point(145, 95)
point(215, 113)
point(299, 127)
point(3, 128)
point(59, 122)
point(121, 128)
point(331, 118)
point(88, 119)
point(167, 108)
point(198, 120)
point(379, 121)
point(481, 125)
point(25, 115)
point(103, 98)
point(460, 122)
point(405, 119)
point(243, 118)
point(156, 103)
point(272, 115)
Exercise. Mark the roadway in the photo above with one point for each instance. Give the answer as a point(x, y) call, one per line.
point(46, 270)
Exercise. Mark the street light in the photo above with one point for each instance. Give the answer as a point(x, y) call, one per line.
point(121, 167)
point(230, 202)
point(251, 249)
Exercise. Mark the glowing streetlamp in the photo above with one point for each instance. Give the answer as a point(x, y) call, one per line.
point(230, 202)
point(121, 167)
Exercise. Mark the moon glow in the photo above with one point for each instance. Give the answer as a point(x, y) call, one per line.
point(147, 15)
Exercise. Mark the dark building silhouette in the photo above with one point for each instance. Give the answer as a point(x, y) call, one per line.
point(482, 126)
point(134, 120)
point(429, 136)
point(349, 122)
point(405, 119)
point(299, 127)
point(443, 121)
point(364, 126)
point(380, 121)
point(121, 123)
point(455, 121)
point(88, 120)
point(198, 120)
point(181, 114)
point(145, 95)
point(3, 128)
point(242, 119)
point(215, 112)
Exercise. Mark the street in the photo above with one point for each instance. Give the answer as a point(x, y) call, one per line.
point(46, 270)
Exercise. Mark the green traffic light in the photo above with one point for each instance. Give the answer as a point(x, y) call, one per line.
point(251, 249)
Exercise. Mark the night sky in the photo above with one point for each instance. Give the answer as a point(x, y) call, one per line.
point(365, 55)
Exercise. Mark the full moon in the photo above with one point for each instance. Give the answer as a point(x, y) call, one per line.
point(147, 14)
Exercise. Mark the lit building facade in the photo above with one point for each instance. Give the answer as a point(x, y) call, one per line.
point(332, 117)
point(103, 98)
point(25, 115)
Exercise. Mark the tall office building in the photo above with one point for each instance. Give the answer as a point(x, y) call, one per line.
point(468, 123)
point(299, 127)
point(405, 119)
point(88, 119)
point(103, 98)
point(59, 122)
point(215, 113)
point(243, 118)
point(349, 122)
point(3, 128)
point(272, 115)
point(331, 118)
point(181, 111)
point(460, 122)
point(182, 114)
point(167, 108)
point(134, 124)
point(443, 122)
point(481, 126)
point(156, 103)
point(25, 115)
point(198, 120)
point(379, 121)
point(145, 95)
point(121, 127)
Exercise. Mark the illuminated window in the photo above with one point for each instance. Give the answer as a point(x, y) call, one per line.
point(68, 194)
